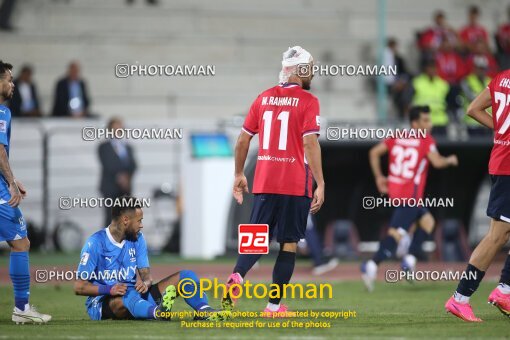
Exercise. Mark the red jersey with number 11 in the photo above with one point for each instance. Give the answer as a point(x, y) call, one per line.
point(499, 87)
point(282, 116)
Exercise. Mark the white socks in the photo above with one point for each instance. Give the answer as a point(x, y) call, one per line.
point(273, 307)
point(504, 288)
point(410, 260)
point(460, 298)
point(27, 307)
point(371, 268)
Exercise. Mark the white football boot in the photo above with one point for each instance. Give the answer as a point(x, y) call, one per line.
point(29, 315)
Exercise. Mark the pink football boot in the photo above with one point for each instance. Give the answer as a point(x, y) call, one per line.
point(500, 300)
point(461, 310)
point(282, 312)
point(228, 301)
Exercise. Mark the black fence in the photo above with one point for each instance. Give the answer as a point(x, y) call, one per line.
point(349, 178)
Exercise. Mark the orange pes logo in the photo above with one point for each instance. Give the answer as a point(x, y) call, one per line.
point(253, 239)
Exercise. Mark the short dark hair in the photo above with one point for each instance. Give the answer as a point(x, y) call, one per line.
point(112, 121)
point(416, 111)
point(4, 67)
point(391, 42)
point(473, 9)
point(126, 204)
point(428, 62)
point(439, 14)
point(25, 68)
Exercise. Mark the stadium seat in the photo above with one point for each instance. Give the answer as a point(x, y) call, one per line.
point(346, 239)
point(451, 240)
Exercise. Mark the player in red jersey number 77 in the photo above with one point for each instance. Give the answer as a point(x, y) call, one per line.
point(497, 96)
point(286, 118)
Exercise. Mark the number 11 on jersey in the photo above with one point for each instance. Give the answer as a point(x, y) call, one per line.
point(284, 127)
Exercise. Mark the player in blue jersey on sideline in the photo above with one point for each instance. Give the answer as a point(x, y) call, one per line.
point(114, 273)
point(13, 228)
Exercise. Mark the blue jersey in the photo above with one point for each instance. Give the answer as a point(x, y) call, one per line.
point(104, 261)
point(5, 138)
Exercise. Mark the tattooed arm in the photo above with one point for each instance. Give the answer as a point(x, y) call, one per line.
point(142, 285)
point(5, 169)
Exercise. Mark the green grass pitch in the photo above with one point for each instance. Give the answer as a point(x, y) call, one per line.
point(393, 310)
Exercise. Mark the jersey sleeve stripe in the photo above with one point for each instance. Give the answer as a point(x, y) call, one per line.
point(311, 132)
point(251, 133)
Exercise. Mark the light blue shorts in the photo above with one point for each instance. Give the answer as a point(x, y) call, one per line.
point(12, 223)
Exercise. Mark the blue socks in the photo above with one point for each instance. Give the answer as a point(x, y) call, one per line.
point(143, 309)
point(282, 271)
point(245, 262)
point(138, 307)
point(19, 271)
point(386, 249)
point(415, 248)
point(196, 302)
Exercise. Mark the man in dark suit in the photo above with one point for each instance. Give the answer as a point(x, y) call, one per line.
point(6, 10)
point(71, 99)
point(25, 102)
point(118, 166)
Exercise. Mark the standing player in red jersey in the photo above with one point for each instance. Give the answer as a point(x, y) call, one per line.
point(407, 176)
point(286, 117)
point(497, 96)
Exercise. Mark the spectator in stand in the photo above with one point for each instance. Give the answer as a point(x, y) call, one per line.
point(6, 10)
point(71, 99)
point(118, 166)
point(481, 50)
point(451, 68)
point(25, 101)
point(473, 85)
point(473, 33)
point(503, 42)
point(396, 83)
point(430, 40)
point(450, 65)
point(429, 89)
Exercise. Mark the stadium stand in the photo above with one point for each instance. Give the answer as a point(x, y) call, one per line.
point(241, 43)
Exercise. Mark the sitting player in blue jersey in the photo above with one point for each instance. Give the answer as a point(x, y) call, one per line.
point(114, 273)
